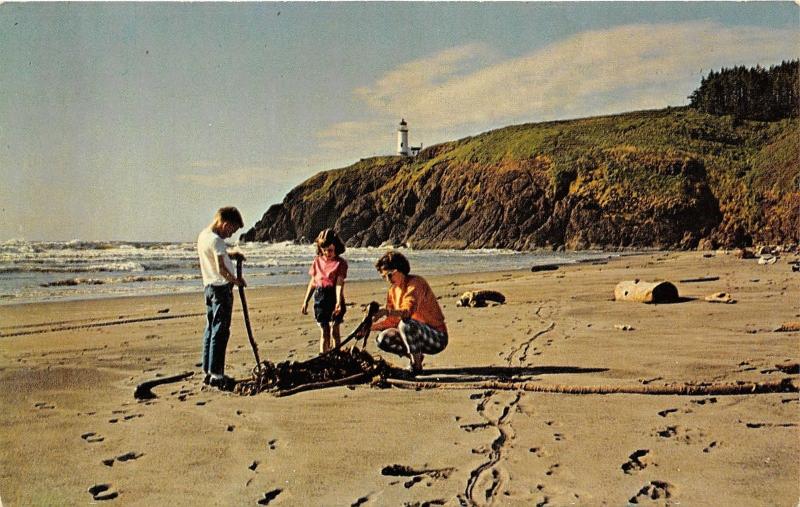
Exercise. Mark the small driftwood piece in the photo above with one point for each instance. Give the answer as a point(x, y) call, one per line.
point(776, 386)
point(700, 279)
point(767, 259)
point(478, 298)
point(646, 292)
point(720, 297)
point(144, 390)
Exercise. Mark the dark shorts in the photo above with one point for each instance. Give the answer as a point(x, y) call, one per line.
point(324, 304)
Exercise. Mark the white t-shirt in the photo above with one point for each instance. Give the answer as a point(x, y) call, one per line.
point(209, 246)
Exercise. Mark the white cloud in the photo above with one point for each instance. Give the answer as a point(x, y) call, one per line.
point(466, 89)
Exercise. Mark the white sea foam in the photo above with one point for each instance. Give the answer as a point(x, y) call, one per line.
point(34, 270)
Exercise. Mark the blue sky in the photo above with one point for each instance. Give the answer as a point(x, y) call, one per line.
point(136, 121)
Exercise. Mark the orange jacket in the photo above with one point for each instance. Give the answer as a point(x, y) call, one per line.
point(416, 297)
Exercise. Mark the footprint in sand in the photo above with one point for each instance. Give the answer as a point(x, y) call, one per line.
point(92, 437)
point(122, 458)
point(126, 418)
point(704, 401)
point(710, 446)
point(558, 437)
point(269, 496)
point(538, 452)
point(481, 450)
point(654, 491)
point(254, 465)
point(416, 476)
point(635, 461)
point(361, 501)
point(665, 413)
point(745, 366)
point(102, 492)
point(469, 428)
point(669, 431)
point(273, 444)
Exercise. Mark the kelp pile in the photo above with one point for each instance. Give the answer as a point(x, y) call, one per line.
point(335, 368)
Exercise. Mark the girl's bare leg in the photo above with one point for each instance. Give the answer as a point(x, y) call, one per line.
point(324, 338)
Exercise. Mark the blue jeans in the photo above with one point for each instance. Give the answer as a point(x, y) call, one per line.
point(219, 306)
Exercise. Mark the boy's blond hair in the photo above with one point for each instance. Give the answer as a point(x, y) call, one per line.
point(227, 214)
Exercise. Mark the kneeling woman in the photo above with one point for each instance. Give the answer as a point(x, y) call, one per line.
point(411, 323)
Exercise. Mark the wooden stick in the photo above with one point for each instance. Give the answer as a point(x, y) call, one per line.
point(322, 385)
point(247, 315)
point(362, 328)
point(776, 386)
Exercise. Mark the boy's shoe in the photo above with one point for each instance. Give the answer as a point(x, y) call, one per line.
point(207, 379)
point(223, 383)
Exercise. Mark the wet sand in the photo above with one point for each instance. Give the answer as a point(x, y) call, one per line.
point(69, 421)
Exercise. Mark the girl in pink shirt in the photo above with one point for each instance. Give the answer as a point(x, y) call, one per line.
point(328, 272)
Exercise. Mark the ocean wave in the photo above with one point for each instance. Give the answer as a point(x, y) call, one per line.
point(117, 280)
point(76, 268)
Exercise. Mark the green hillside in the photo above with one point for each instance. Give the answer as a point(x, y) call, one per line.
point(672, 178)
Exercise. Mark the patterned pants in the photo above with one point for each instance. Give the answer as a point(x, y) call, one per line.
point(421, 338)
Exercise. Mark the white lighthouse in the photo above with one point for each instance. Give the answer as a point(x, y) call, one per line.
point(402, 139)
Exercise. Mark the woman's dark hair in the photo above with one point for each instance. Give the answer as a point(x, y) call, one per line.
point(393, 261)
point(329, 237)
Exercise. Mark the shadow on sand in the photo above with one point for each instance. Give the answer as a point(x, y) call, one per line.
point(681, 299)
point(500, 373)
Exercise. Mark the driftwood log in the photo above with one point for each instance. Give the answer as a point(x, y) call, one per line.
point(646, 292)
point(478, 298)
point(775, 386)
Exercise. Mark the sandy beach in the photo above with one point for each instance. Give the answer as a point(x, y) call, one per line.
point(70, 422)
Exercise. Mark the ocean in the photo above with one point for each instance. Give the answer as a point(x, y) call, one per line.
point(35, 271)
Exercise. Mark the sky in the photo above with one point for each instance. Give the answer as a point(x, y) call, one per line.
point(136, 121)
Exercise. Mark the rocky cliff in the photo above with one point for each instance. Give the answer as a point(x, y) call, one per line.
point(671, 178)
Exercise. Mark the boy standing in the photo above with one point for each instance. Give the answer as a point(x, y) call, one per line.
point(218, 278)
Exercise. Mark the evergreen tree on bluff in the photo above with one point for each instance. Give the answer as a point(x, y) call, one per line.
point(752, 94)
